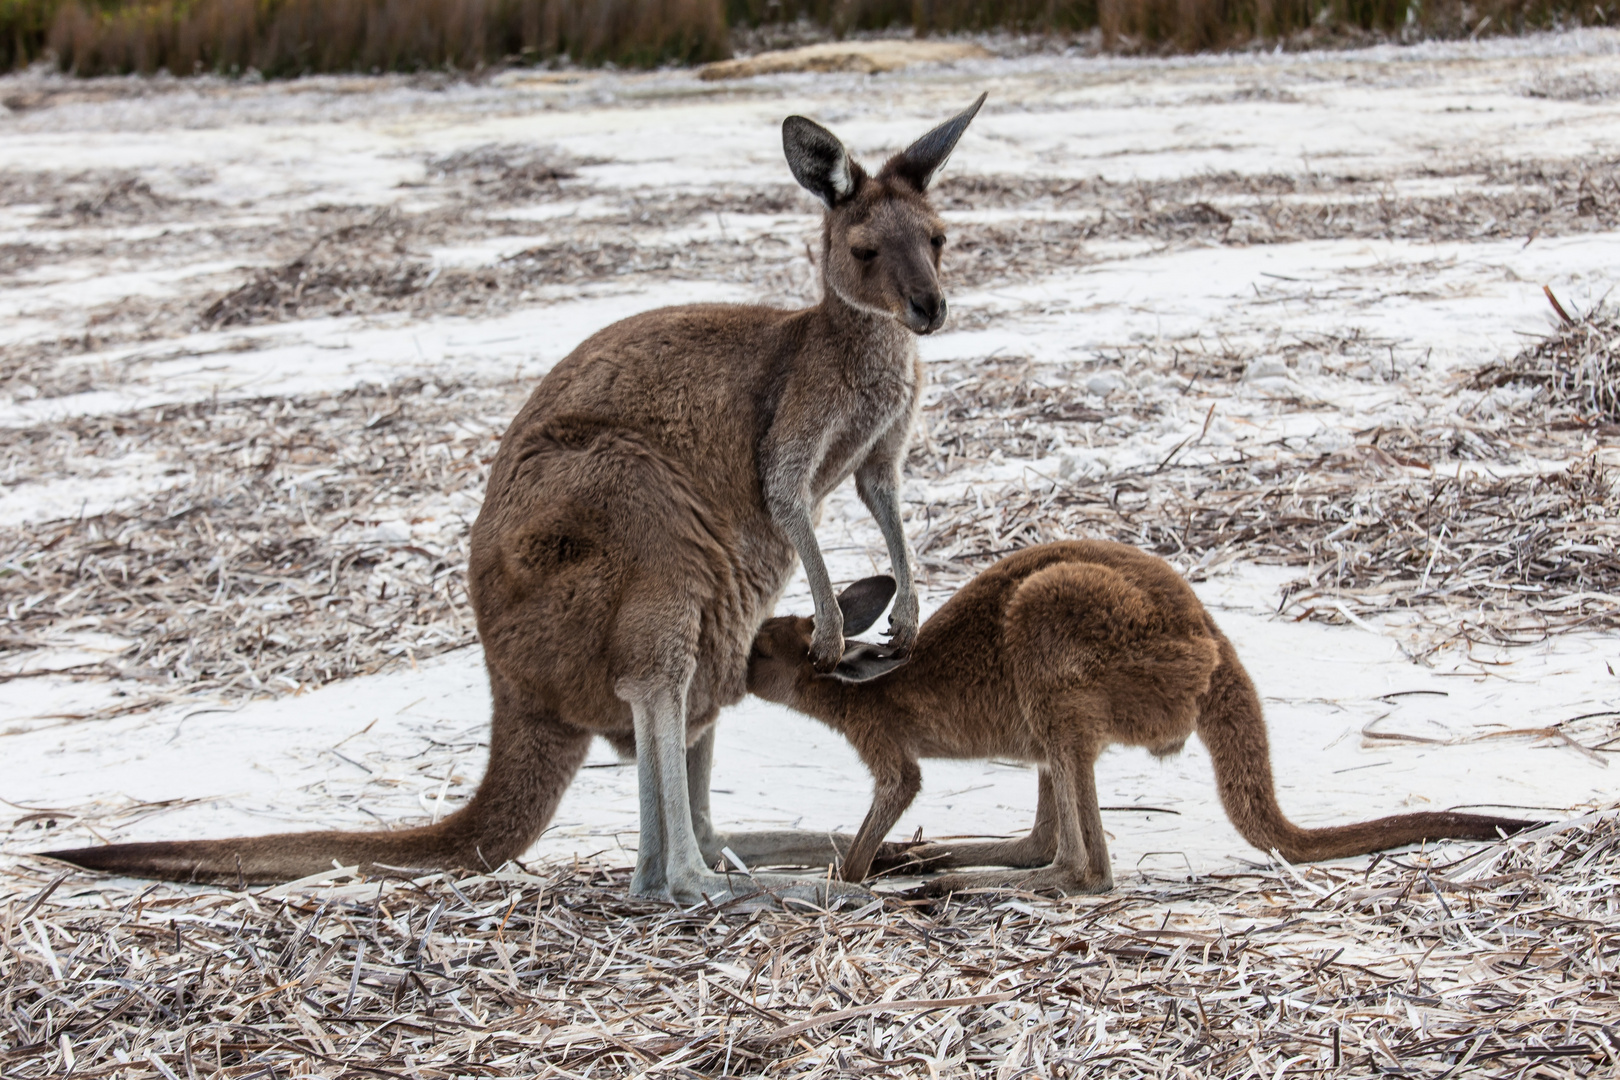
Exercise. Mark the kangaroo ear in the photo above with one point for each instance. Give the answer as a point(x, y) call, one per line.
point(863, 662)
point(864, 601)
point(920, 162)
point(819, 161)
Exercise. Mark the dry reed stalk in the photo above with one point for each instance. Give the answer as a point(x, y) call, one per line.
point(1577, 369)
point(376, 264)
point(303, 541)
point(1397, 522)
point(1493, 960)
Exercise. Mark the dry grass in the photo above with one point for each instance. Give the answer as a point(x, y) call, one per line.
point(1505, 561)
point(501, 173)
point(379, 262)
point(1491, 961)
point(378, 265)
point(1592, 85)
point(92, 197)
point(1576, 370)
point(1490, 200)
point(294, 541)
point(1401, 521)
point(348, 260)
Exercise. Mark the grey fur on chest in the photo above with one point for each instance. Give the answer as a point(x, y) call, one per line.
point(854, 440)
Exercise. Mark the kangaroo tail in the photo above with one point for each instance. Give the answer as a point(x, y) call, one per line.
point(266, 860)
point(530, 765)
point(1232, 726)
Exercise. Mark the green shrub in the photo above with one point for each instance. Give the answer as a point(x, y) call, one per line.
point(291, 37)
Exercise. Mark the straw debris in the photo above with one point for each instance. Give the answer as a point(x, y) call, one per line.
point(1496, 960)
point(291, 541)
point(507, 172)
point(383, 262)
point(1401, 521)
point(1576, 370)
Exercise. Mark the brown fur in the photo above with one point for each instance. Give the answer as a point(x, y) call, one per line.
point(1048, 657)
point(642, 516)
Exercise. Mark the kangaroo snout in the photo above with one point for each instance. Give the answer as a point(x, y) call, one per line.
point(925, 313)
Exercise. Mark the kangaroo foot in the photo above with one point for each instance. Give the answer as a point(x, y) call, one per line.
point(923, 857)
point(909, 857)
point(767, 889)
point(784, 847)
point(1063, 880)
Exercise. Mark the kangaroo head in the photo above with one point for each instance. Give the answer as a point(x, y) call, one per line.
point(780, 659)
point(881, 240)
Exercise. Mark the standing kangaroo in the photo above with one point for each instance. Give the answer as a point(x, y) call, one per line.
point(1050, 656)
point(641, 520)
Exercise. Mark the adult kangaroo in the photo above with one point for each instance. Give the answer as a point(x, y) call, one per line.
point(1050, 656)
point(641, 520)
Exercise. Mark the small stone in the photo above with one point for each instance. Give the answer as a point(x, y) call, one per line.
point(390, 532)
point(1104, 383)
point(1266, 367)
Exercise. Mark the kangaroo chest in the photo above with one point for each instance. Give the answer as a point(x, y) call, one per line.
point(871, 413)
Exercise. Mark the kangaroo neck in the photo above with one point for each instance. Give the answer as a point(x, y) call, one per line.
point(873, 342)
point(845, 707)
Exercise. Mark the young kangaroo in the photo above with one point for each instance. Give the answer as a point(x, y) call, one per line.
point(641, 519)
point(1050, 656)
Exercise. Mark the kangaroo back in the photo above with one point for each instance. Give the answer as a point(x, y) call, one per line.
point(1120, 629)
point(1232, 726)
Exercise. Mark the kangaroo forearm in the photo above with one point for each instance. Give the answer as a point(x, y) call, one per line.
point(880, 491)
point(795, 521)
point(886, 511)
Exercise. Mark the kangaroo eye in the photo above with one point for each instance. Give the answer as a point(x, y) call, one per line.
point(864, 254)
point(937, 241)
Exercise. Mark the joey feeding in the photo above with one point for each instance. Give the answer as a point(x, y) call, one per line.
point(1049, 657)
point(643, 514)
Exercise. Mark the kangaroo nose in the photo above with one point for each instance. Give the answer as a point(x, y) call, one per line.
point(925, 314)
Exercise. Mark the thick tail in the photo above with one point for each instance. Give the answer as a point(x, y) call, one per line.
point(265, 860)
point(531, 763)
point(1232, 726)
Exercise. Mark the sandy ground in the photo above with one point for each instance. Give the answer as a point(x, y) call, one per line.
point(1315, 246)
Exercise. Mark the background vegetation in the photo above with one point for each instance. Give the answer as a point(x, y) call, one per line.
point(290, 37)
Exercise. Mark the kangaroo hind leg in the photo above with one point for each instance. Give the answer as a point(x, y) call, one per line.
point(1036, 849)
point(1081, 862)
point(669, 863)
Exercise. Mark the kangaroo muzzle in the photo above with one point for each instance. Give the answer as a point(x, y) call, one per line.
point(925, 313)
